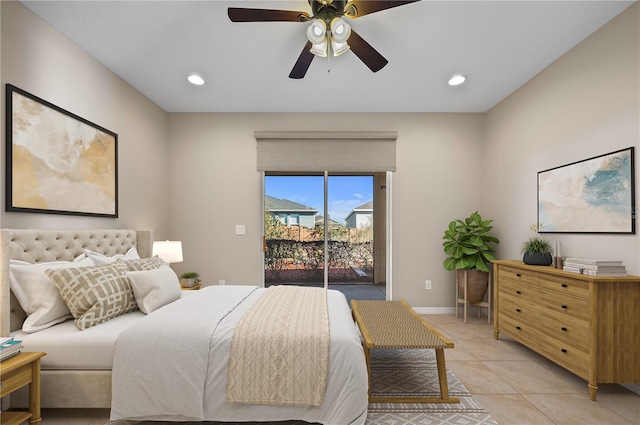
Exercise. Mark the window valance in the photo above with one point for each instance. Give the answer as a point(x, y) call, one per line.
point(334, 151)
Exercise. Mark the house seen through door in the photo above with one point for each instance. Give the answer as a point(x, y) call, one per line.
point(350, 256)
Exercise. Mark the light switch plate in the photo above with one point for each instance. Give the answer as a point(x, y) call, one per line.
point(240, 229)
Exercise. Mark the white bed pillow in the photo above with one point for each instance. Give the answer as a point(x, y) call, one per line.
point(37, 294)
point(154, 288)
point(95, 294)
point(101, 259)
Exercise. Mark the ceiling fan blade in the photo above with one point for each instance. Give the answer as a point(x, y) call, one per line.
point(367, 54)
point(365, 7)
point(303, 62)
point(241, 14)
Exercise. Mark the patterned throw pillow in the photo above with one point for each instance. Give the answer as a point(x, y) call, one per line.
point(145, 264)
point(95, 294)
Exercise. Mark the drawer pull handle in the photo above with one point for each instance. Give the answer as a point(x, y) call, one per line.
point(518, 292)
point(563, 329)
point(564, 285)
point(564, 350)
point(518, 275)
point(564, 306)
point(518, 327)
point(518, 310)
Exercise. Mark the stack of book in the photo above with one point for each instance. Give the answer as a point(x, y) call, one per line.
point(594, 267)
point(9, 347)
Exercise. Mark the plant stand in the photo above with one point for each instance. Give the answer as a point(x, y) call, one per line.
point(466, 303)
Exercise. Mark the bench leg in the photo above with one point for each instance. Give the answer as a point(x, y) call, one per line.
point(442, 378)
point(442, 374)
point(367, 358)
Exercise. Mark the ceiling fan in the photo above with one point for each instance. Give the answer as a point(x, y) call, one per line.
point(327, 31)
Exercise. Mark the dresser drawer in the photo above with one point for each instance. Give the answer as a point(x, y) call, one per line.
point(565, 328)
point(518, 329)
point(522, 289)
point(564, 305)
point(517, 307)
point(519, 275)
point(572, 358)
point(565, 285)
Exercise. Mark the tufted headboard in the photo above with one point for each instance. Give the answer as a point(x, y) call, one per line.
point(37, 246)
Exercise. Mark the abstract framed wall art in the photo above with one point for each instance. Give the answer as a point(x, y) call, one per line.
point(58, 162)
point(595, 195)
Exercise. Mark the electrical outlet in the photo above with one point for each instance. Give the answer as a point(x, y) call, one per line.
point(221, 282)
point(240, 229)
point(427, 284)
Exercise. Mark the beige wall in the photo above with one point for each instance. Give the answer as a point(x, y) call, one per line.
point(217, 186)
point(40, 60)
point(192, 176)
point(585, 104)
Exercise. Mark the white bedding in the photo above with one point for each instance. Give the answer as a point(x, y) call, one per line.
point(173, 364)
point(68, 347)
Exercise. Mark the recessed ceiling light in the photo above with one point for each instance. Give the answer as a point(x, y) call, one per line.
point(456, 80)
point(195, 79)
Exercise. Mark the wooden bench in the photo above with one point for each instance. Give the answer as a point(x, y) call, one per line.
point(393, 324)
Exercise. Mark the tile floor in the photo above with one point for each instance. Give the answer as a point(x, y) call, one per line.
point(515, 385)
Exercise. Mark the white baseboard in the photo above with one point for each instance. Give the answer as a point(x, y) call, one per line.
point(434, 310)
point(447, 310)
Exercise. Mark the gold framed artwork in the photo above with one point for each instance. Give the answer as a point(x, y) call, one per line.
point(58, 162)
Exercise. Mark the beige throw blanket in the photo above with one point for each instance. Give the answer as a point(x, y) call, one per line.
point(280, 349)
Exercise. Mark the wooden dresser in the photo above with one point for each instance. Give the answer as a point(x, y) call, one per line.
point(588, 325)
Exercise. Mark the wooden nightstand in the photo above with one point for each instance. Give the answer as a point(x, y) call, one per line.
point(15, 373)
point(193, 288)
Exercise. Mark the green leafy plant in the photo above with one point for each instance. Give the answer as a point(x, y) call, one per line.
point(537, 244)
point(191, 275)
point(469, 244)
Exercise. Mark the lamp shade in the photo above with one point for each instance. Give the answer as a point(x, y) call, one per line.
point(317, 35)
point(340, 32)
point(339, 48)
point(168, 251)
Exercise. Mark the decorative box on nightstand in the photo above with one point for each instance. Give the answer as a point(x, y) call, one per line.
point(15, 373)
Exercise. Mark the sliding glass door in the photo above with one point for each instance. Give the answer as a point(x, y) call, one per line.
point(320, 230)
point(294, 242)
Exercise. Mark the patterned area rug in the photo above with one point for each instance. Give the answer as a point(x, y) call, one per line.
point(397, 373)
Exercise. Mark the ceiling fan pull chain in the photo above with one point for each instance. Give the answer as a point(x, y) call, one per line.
point(328, 58)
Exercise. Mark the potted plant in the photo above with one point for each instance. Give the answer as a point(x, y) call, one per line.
point(537, 250)
point(189, 279)
point(469, 246)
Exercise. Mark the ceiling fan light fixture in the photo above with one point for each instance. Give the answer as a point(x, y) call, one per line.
point(340, 30)
point(338, 47)
point(195, 79)
point(317, 35)
point(319, 49)
point(456, 80)
point(317, 31)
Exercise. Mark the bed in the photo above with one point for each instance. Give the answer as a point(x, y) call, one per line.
point(78, 370)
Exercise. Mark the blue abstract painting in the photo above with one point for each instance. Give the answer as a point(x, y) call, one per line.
point(595, 195)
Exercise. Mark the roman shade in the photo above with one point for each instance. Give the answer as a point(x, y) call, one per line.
point(333, 151)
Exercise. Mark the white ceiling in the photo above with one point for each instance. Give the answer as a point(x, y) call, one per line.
point(499, 45)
